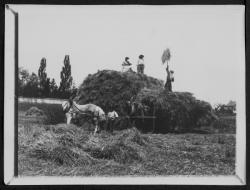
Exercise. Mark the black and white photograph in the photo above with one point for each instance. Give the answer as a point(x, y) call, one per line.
point(124, 94)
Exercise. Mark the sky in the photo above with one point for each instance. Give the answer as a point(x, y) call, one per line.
point(206, 43)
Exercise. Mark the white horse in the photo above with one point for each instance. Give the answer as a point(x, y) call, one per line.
point(72, 108)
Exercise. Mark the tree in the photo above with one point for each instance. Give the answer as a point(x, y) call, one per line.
point(74, 90)
point(23, 77)
point(66, 78)
point(42, 75)
point(31, 87)
point(53, 88)
point(47, 89)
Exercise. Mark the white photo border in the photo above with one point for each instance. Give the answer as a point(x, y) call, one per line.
point(9, 118)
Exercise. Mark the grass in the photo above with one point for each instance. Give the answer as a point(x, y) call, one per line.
point(68, 150)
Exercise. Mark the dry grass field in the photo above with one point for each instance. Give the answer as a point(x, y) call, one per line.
point(48, 147)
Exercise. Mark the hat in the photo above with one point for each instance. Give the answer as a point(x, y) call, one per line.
point(141, 56)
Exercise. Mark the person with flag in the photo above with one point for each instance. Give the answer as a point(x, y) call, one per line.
point(170, 78)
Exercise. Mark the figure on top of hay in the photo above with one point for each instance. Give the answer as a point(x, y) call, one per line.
point(140, 65)
point(170, 78)
point(126, 65)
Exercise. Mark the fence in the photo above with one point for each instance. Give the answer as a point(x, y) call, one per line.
point(41, 100)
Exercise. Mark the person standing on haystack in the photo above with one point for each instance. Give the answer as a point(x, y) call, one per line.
point(165, 58)
point(126, 65)
point(140, 65)
point(170, 79)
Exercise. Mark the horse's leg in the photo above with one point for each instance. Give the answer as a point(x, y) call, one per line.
point(96, 125)
point(95, 130)
point(68, 116)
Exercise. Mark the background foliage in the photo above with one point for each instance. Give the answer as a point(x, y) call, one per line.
point(40, 85)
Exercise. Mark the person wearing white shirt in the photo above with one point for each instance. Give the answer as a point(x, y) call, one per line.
point(140, 65)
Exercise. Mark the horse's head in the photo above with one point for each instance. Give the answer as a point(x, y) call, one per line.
point(66, 105)
point(112, 115)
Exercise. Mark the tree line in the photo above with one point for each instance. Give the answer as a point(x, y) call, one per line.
point(40, 85)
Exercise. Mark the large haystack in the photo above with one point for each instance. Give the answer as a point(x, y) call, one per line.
point(174, 111)
point(111, 89)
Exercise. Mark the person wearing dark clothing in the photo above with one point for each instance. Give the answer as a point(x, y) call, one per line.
point(140, 65)
point(168, 84)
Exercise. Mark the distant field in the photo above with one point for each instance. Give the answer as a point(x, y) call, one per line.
point(49, 147)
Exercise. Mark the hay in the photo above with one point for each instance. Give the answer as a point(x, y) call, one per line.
point(126, 147)
point(112, 89)
point(34, 111)
point(60, 144)
point(174, 111)
point(70, 150)
point(64, 156)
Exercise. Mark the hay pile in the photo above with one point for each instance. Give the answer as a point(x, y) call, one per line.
point(127, 147)
point(49, 113)
point(70, 145)
point(34, 111)
point(112, 89)
point(59, 144)
point(174, 111)
point(59, 150)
